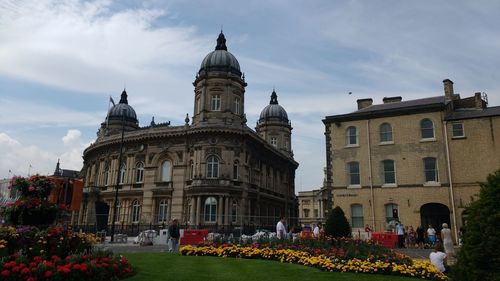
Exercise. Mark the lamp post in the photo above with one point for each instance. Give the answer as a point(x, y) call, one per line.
point(115, 205)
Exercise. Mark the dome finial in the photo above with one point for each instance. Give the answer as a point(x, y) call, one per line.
point(123, 98)
point(274, 97)
point(221, 42)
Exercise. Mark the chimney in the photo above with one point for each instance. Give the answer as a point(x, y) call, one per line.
point(362, 103)
point(392, 99)
point(478, 101)
point(448, 89)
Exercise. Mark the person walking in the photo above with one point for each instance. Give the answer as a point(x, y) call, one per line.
point(400, 230)
point(447, 241)
point(174, 233)
point(280, 228)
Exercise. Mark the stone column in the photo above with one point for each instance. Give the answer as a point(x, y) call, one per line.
point(227, 219)
point(198, 210)
point(192, 211)
point(220, 205)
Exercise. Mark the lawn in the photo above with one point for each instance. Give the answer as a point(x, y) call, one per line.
point(167, 266)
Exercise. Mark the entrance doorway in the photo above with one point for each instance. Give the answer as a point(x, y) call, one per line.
point(434, 214)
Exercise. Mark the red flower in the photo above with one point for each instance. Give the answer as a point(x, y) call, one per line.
point(5, 273)
point(76, 267)
point(115, 266)
point(47, 274)
point(37, 259)
point(31, 279)
point(83, 267)
point(48, 264)
point(25, 271)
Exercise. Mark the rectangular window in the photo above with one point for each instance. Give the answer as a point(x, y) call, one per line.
point(352, 136)
point(353, 170)
point(235, 172)
point(237, 106)
point(458, 130)
point(306, 213)
point(430, 170)
point(357, 216)
point(316, 214)
point(389, 173)
point(216, 102)
point(391, 212)
point(274, 141)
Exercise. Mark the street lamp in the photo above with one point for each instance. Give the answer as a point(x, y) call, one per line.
point(115, 205)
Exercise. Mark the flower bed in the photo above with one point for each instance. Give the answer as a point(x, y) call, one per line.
point(95, 266)
point(414, 268)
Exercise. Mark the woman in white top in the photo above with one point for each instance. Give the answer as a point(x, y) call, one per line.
point(438, 258)
point(447, 240)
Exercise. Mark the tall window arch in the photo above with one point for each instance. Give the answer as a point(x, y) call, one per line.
point(117, 214)
point(237, 106)
point(427, 128)
point(215, 104)
point(385, 132)
point(389, 172)
point(431, 169)
point(107, 172)
point(234, 211)
point(139, 172)
point(136, 211)
point(353, 173)
point(191, 169)
point(351, 136)
point(122, 173)
point(236, 170)
point(212, 167)
point(166, 170)
point(162, 210)
point(357, 220)
point(391, 212)
point(210, 209)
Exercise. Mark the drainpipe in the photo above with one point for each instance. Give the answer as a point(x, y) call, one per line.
point(452, 197)
point(370, 169)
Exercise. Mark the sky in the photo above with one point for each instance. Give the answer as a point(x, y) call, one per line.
point(60, 61)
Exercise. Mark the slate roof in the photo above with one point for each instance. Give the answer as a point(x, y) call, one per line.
point(473, 113)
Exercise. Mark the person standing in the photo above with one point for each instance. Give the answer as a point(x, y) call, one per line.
point(431, 235)
point(420, 237)
point(316, 231)
point(174, 233)
point(400, 230)
point(280, 228)
point(447, 240)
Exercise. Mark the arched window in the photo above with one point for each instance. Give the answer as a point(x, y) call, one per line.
point(122, 173)
point(139, 172)
point(166, 170)
point(210, 209)
point(431, 170)
point(191, 169)
point(389, 173)
point(385, 132)
point(351, 136)
point(106, 175)
point(215, 103)
point(136, 211)
point(427, 128)
point(357, 216)
point(391, 212)
point(237, 106)
point(235, 170)
point(234, 211)
point(212, 167)
point(162, 210)
point(353, 173)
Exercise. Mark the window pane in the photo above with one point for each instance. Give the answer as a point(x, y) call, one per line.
point(430, 169)
point(389, 174)
point(458, 130)
point(353, 169)
point(427, 129)
point(352, 137)
point(357, 215)
point(166, 171)
point(385, 132)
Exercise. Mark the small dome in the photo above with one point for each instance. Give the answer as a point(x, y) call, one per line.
point(220, 59)
point(122, 108)
point(274, 111)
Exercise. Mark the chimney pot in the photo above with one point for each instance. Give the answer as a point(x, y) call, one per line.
point(448, 89)
point(362, 103)
point(392, 99)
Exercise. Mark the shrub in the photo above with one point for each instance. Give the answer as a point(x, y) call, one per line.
point(337, 225)
point(479, 257)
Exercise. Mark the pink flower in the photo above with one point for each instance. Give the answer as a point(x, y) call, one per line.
point(31, 188)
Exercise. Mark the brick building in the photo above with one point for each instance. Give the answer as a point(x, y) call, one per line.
point(419, 161)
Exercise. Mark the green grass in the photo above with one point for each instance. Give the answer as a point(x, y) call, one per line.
point(167, 266)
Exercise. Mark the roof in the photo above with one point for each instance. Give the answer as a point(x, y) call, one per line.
point(392, 109)
point(473, 113)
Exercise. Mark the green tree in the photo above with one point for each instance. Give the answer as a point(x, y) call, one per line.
point(337, 225)
point(479, 256)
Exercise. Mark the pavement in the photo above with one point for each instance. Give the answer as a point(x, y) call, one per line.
point(130, 247)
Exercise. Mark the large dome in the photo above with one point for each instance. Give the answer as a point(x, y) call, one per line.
point(274, 111)
point(122, 108)
point(220, 59)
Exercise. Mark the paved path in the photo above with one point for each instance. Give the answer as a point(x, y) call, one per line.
point(130, 247)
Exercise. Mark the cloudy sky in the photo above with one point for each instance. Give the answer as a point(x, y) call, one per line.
point(61, 60)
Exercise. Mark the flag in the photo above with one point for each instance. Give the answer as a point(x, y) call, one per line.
point(111, 100)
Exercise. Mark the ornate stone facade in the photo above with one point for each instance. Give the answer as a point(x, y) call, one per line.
point(213, 172)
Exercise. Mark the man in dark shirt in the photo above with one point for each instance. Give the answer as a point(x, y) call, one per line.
point(173, 232)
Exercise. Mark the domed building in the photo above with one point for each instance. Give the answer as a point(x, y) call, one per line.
point(211, 172)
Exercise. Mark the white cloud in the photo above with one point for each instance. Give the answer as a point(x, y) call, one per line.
point(72, 137)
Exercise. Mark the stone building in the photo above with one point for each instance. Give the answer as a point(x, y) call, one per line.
point(211, 172)
point(311, 207)
point(418, 161)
